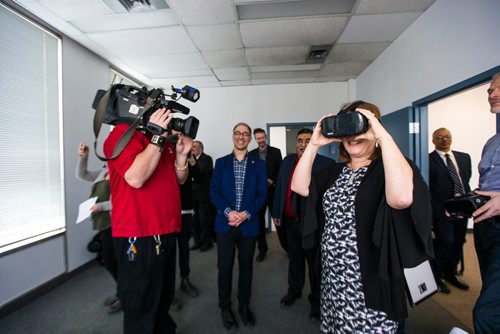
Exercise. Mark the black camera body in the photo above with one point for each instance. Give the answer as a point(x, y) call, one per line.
point(344, 125)
point(126, 103)
point(465, 205)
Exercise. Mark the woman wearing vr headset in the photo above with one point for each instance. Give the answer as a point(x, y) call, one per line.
point(373, 217)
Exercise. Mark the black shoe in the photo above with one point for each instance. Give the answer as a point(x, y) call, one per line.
point(457, 281)
point(260, 257)
point(247, 317)
point(195, 247)
point(228, 319)
point(289, 299)
point(206, 247)
point(443, 287)
point(188, 288)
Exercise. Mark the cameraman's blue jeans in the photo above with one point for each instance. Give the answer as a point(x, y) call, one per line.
point(487, 309)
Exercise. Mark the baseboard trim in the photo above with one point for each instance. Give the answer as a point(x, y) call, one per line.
point(41, 290)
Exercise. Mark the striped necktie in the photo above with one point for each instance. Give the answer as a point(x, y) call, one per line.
point(457, 184)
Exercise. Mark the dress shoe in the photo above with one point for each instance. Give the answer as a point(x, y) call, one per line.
point(115, 307)
point(260, 257)
point(188, 288)
point(457, 281)
point(443, 287)
point(206, 247)
point(195, 247)
point(110, 300)
point(247, 317)
point(289, 299)
point(228, 319)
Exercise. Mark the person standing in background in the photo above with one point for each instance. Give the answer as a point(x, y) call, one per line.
point(272, 157)
point(238, 191)
point(101, 220)
point(202, 222)
point(449, 176)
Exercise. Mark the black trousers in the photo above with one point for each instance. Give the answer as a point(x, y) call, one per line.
point(297, 263)
point(448, 243)
point(183, 245)
point(108, 253)
point(146, 285)
point(226, 249)
point(202, 223)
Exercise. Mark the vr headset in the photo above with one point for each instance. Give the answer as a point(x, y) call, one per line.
point(465, 205)
point(346, 123)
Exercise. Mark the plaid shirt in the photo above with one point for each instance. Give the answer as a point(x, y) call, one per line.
point(240, 169)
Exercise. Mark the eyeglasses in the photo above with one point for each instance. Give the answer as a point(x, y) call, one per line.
point(239, 134)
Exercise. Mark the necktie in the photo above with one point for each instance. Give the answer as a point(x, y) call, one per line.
point(457, 184)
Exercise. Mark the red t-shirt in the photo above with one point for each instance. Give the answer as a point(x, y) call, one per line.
point(153, 209)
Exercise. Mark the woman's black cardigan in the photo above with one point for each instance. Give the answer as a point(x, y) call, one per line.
point(388, 239)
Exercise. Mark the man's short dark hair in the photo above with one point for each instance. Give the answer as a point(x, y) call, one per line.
point(304, 130)
point(244, 124)
point(200, 143)
point(258, 130)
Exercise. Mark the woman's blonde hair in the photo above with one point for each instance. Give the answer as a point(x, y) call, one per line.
point(349, 107)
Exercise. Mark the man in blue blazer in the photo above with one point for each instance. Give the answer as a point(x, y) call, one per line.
point(238, 190)
point(449, 231)
point(286, 213)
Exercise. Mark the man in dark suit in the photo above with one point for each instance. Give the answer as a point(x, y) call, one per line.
point(238, 190)
point(449, 176)
point(202, 222)
point(287, 215)
point(272, 157)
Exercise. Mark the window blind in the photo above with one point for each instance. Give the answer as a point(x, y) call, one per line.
point(31, 164)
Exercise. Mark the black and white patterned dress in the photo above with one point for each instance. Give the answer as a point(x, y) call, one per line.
point(343, 308)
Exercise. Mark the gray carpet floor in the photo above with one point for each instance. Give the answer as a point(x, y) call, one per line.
point(76, 305)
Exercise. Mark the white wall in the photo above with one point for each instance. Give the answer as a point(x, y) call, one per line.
point(450, 42)
point(219, 109)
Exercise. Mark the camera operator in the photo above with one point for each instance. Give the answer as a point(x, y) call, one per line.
point(487, 227)
point(146, 217)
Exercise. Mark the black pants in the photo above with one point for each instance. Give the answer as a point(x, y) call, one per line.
point(146, 285)
point(297, 263)
point(261, 239)
point(448, 244)
point(183, 244)
point(226, 249)
point(202, 223)
point(108, 253)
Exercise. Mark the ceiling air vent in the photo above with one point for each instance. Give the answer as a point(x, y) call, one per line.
point(140, 5)
point(318, 54)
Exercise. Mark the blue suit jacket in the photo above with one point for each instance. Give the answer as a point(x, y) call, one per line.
point(440, 183)
point(223, 194)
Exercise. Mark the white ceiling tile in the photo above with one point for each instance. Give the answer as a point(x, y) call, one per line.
point(181, 81)
point(74, 9)
point(202, 12)
point(177, 74)
point(392, 6)
point(285, 68)
point(230, 83)
point(356, 52)
point(282, 81)
point(352, 69)
point(127, 21)
point(209, 84)
point(167, 63)
point(277, 56)
point(216, 37)
point(225, 58)
point(333, 78)
point(284, 75)
point(238, 73)
point(153, 41)
point(292, 32)
point(377, 28)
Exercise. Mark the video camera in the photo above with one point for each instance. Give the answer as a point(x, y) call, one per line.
point(127, 103)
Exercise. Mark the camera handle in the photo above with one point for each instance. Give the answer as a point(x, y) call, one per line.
point(127, 135)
